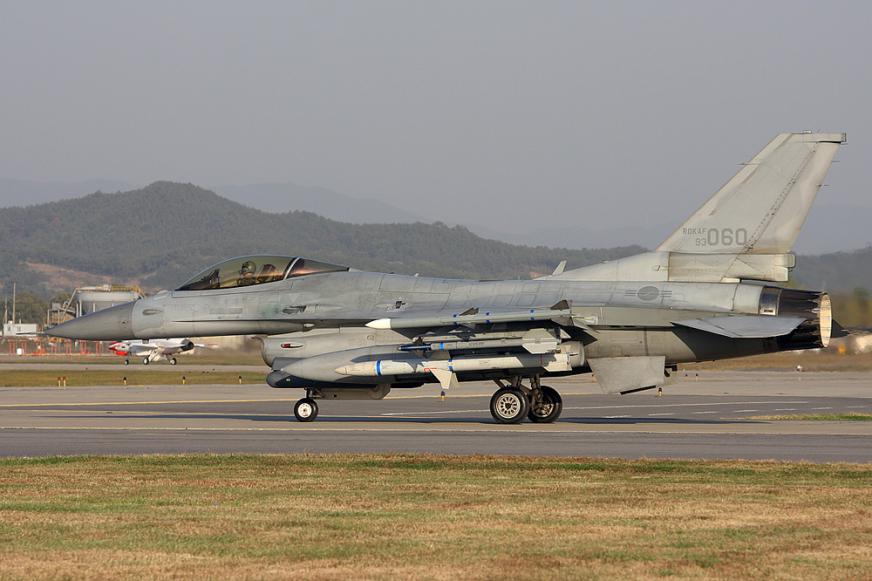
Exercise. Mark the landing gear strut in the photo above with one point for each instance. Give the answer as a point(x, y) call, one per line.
point(306, 410)
point(512, 403)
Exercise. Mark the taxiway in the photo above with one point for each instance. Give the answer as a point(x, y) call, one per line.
point(706, 416)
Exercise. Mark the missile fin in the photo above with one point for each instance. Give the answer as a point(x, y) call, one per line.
point(447, 379)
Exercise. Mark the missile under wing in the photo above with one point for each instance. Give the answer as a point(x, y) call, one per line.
point(709, 291)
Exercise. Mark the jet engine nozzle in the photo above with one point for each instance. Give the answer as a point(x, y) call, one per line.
point(817, 329)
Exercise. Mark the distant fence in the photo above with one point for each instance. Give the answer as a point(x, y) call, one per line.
point(40, 346)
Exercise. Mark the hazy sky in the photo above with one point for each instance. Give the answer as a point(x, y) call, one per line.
point(505, 112)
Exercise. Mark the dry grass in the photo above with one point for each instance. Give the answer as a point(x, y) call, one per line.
point(406, 516)
point(788, 360)
point(135, 376)
point(199, 357)
point(835, 417)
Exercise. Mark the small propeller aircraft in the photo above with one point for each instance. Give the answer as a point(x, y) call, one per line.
point(152, 349)
point(710, 291)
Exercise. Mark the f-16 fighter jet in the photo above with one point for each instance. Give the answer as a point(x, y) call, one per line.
point(709, 291)
point(152, 350)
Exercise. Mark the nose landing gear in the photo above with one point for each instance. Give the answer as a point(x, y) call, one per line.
point(306, 410)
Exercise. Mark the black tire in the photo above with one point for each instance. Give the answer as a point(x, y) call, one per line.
point(173, 361)
point(509, 406)
point(548, 409)
point(145, 360)
point(127, 362)
point(306, 410)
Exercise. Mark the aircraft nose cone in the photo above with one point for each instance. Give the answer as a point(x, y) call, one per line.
point(110, 324)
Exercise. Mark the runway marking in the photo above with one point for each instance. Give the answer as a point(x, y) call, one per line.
point(675, 405)
point(586, 431)
point(608, 407)
point(165, 402)
point(853, 407)
point(705, 412)
point(824, 408)
point(663, 414)
point(785, 409)
point(431, 412)
point(614, 417)
point(743, 411)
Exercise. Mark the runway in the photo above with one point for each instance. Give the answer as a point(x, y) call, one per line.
point(700, 417)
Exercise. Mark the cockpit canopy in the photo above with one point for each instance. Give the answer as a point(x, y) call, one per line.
point(251, 270)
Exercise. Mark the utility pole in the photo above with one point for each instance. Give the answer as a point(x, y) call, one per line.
point(13, 303)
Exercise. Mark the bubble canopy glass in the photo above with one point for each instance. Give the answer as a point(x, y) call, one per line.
point(252, 270)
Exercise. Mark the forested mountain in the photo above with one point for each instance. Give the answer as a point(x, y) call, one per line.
point(159, 235)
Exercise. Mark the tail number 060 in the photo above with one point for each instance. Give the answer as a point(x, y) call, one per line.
point(723, 237)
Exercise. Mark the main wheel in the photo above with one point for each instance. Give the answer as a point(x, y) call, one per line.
point(173, 361)
point(127, 362)
point(548, 408)
point(306, 410)
point(509, 406)
point(145, 360)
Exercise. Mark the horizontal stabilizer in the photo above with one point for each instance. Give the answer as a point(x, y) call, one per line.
point(625, 374)
point(838, 331)
point(745, 326)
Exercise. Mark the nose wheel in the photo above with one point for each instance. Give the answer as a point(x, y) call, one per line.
point(306, 410)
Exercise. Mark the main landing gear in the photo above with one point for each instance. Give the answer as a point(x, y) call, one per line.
point(513, 402)
point(306, 410)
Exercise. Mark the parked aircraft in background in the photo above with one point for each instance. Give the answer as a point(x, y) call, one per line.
point(705, 293)
point(152, 349)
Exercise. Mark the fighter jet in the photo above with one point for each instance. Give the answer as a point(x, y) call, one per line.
point(152, 350)
point(712, 290)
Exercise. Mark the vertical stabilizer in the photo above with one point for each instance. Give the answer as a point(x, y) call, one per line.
point(746, 229)
point(763, 207)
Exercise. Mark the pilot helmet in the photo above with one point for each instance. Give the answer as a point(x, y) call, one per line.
point(248, 267)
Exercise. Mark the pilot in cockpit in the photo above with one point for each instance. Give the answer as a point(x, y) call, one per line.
point(246, 273)
point(268, 273)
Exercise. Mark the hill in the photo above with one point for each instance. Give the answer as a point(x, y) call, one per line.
point(159, 235)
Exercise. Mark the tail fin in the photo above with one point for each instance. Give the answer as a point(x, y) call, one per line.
point(745, 230)
point(763, 207)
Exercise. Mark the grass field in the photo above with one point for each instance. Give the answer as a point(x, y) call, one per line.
point(836, 417)
point(364, 516)
point(138, 376)
point(219, 357)
point(788, 360)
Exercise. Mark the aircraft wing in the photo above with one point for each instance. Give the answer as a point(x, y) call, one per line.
point(141, 349)
point(745, 326)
